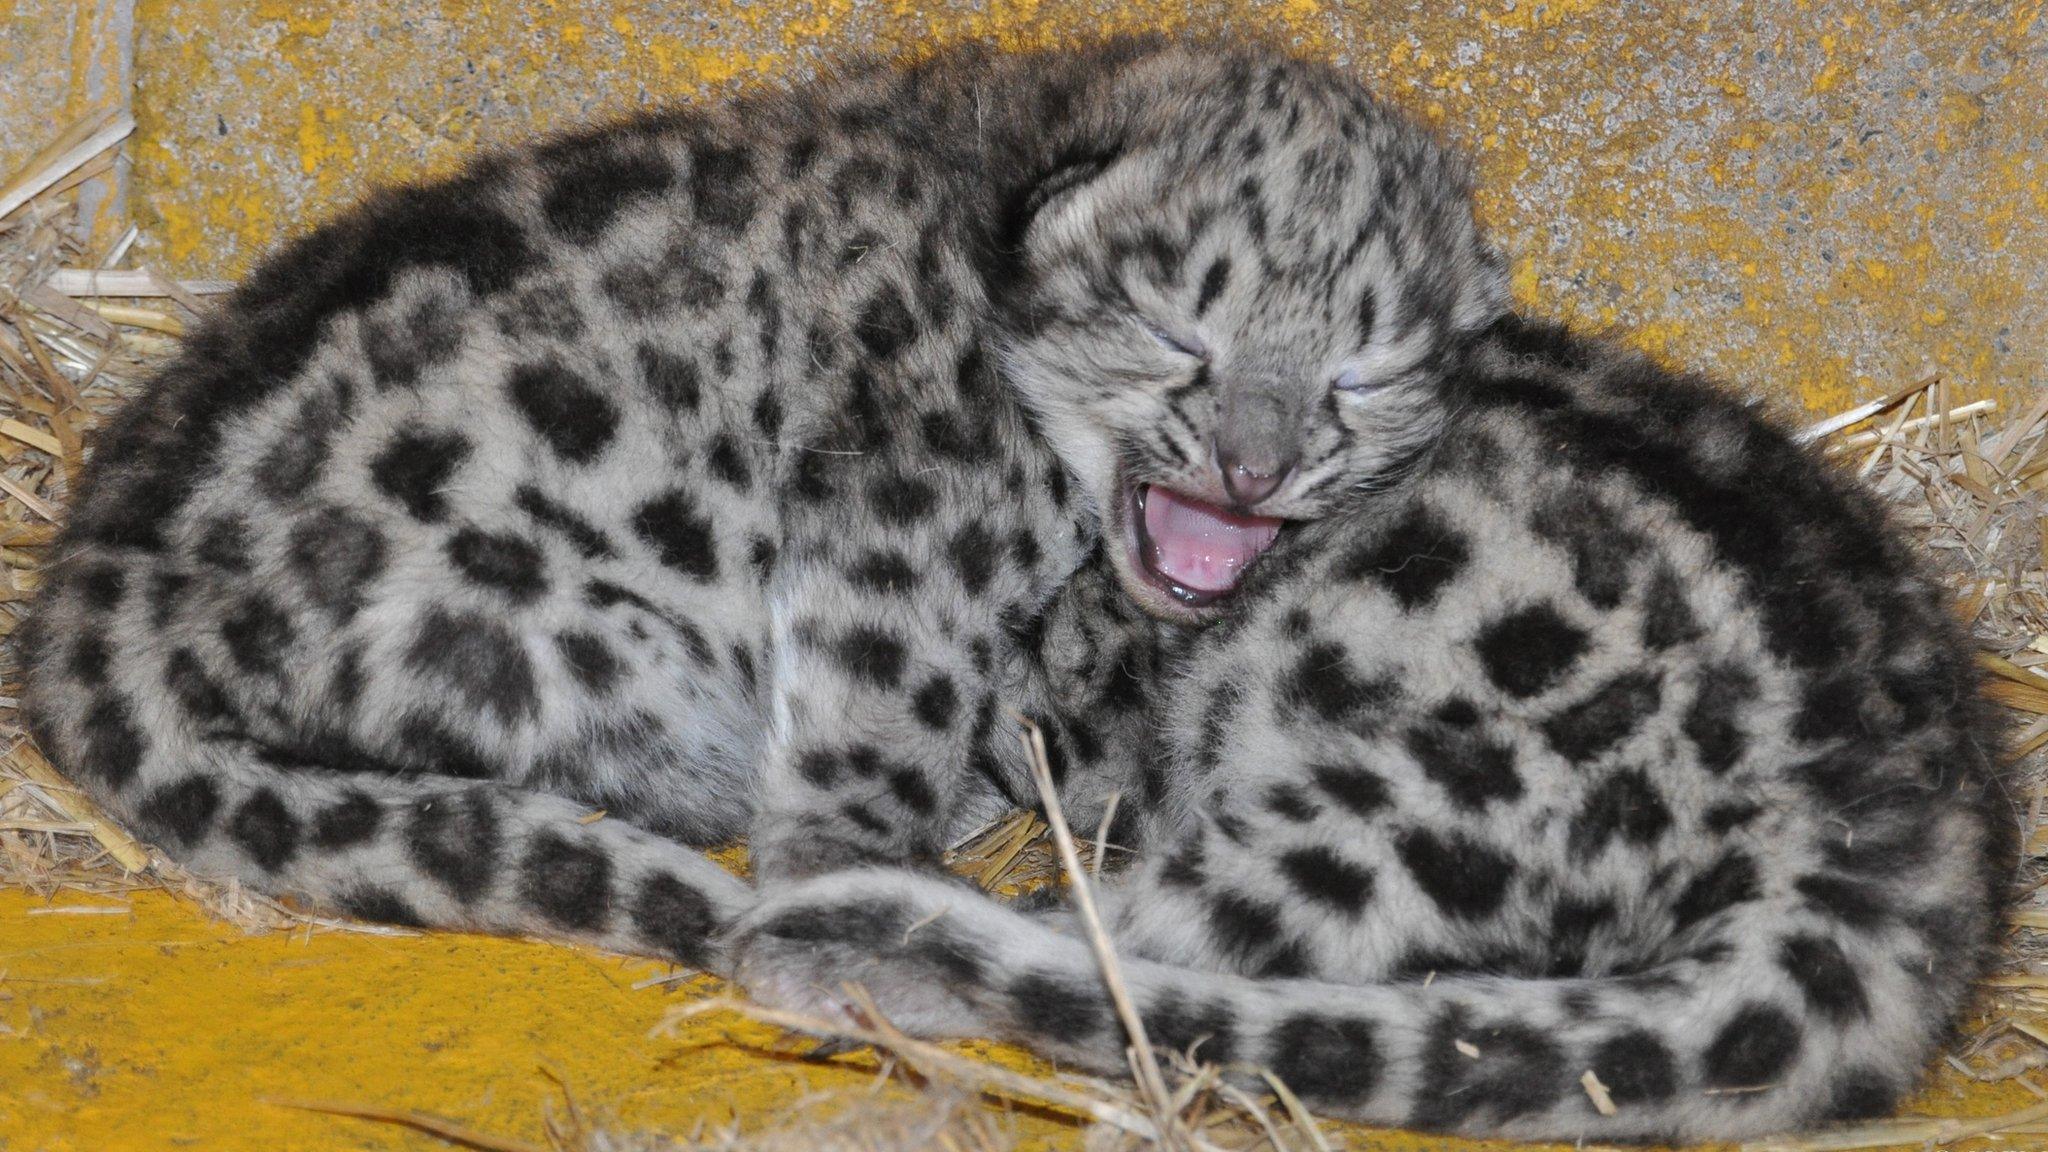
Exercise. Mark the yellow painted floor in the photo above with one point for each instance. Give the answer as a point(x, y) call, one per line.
point(156, 1027)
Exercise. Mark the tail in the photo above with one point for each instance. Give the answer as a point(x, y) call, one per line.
point(420, 852)
point(407, 849)
point(1761, 1029)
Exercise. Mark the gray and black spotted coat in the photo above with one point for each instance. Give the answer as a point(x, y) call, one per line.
point(1623, 758)
point(716, 469)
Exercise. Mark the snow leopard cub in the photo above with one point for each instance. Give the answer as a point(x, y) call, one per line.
point(1620, 776)
point(712, 469)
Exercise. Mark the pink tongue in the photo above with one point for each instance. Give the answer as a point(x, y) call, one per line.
point(1199, 546)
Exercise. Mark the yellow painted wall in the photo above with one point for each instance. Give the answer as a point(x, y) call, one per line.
point(1824, 196)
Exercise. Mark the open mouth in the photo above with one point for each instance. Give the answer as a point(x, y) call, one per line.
point(1196, 552)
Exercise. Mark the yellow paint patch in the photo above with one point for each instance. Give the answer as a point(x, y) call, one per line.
point(1523, 281)
point(298, 19)
point(1524, 15)
point(159, 1029)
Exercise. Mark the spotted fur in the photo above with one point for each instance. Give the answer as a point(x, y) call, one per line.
point(1624, 738)
point(715, 469)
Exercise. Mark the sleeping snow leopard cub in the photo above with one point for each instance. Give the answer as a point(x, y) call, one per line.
point(714, 469)
point(1624, 738)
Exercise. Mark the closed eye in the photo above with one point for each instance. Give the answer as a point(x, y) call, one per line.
point(1191, 346)
point(1357, 382)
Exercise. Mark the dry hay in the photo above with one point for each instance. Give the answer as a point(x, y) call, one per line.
point(68, 356)
point(79, 331)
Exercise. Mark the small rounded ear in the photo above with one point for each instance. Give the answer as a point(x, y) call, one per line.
point(1068, 174)
point(1483, 296)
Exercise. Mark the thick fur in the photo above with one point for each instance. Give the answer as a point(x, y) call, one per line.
point(1624, 738)
point(742, 469)
point(716, 469)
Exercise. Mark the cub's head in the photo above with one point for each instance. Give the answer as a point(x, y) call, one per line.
point(1237, 314)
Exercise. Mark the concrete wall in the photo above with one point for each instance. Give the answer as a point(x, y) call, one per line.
point(1819, 197)
point(61, 60)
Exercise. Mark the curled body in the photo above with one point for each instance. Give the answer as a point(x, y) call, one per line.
point(715, 470)
point(1623, 745)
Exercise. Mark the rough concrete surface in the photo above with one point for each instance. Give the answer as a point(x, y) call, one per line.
point(1823, 197)
point(59, 61)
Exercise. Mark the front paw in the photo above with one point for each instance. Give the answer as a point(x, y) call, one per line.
point(902, 938)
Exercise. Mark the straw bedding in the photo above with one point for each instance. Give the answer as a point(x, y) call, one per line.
point(80, 328)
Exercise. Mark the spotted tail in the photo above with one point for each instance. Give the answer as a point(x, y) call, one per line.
point(415, 850)
point(1762, 1030)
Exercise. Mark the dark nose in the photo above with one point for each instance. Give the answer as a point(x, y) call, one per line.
point(1249, 482)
